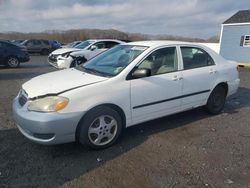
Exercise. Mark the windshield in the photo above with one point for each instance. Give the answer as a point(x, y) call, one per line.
point(24, 42)
point(83, 45)
point(113, 61)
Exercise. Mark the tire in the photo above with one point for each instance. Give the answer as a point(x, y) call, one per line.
point(78, 61)
point(44, 52)
point(99, 128)
point(216, 100)
point(13, 62)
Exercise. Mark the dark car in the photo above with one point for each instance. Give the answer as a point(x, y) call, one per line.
point(17, 41)
point(54, 44)
point(5, 40)
point(12, 55)
point(37, 46)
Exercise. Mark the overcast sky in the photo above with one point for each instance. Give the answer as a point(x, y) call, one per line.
point(192, 18)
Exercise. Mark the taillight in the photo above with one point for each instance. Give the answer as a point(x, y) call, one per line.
point(238, 68)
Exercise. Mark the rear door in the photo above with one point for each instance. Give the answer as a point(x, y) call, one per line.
point(157, 95)
point(3, 52)
point(37, 45)
point(199, 76)
point(30, 45)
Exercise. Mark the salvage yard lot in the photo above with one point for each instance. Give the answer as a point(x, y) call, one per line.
point(190, 149)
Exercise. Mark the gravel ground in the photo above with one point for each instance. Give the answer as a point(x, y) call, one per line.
point(190, 149)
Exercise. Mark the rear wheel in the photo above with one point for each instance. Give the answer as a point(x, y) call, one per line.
point(100, 128)
point(216, 100)
point(13, 62)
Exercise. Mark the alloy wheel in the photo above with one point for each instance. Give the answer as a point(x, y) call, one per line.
point(102, 130)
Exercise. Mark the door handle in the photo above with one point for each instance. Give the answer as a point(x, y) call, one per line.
point(212, 71)
point(176, 78)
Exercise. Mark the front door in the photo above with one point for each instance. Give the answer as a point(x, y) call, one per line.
point(157, 95)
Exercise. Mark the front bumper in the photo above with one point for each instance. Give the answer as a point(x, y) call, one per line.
point(45, 128)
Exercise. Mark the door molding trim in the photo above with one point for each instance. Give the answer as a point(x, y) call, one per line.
point(171, 99)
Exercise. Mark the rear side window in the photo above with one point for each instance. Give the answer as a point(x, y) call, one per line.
point(37, 42)
point(46, 42)
point(195, 57)
point(110, 44)
point(100, 45)
point(30, 42)
point(7, 45)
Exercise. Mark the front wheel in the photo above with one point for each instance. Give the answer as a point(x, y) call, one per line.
point(100, 128)
point(216, 100)
point(13, 62)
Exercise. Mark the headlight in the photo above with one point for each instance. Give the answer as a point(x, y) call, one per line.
point(48, 104)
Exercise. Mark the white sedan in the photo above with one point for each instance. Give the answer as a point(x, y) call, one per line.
point(70, 57)
point(126, 85)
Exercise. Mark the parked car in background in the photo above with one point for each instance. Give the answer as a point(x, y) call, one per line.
point(37, 46)
point(6, 40)
point(12, 55)
point(126, 85)
point(71, 57)
point(71, 45)
point(17, 42)
point(54, 44)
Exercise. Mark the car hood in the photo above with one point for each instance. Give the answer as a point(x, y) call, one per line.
point(58, 82)
point(80, 52)
point(64, 50)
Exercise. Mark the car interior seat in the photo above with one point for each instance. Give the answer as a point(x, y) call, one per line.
point(199, 59)
point(169, 64)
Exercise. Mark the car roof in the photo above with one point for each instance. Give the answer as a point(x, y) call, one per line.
point(156, 43)
point(99, 40)
point(6, 41)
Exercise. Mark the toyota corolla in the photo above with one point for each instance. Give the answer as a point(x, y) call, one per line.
point(126, 85)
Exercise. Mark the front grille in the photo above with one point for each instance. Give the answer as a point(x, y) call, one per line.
point(44, 136)
point(22, 99)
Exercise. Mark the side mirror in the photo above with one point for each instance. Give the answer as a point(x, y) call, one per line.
point(93, 47)
point(141, 73)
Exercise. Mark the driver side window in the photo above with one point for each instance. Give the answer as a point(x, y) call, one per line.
point(161, 61)
point(29, 43)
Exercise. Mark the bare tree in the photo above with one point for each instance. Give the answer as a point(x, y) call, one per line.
point(84, 34)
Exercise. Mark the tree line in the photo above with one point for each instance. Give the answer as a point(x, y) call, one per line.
point(84, 34)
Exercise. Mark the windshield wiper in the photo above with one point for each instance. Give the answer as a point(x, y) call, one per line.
point(94, 71)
